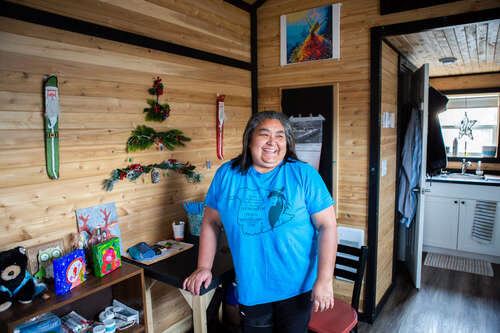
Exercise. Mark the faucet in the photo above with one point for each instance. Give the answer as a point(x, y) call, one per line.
point(465, 164)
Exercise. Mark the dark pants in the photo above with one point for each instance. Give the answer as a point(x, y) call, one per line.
point(291, 315)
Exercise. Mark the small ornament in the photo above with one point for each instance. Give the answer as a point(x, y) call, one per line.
point(155, 176)
point(466, 127)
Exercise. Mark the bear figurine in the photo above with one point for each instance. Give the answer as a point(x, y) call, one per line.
point(16, 283)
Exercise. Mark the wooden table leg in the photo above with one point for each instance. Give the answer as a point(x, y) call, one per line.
point(149, 307)
point(199, 305)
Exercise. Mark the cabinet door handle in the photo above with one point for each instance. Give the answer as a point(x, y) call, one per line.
point(463, 202)
point(456, 201)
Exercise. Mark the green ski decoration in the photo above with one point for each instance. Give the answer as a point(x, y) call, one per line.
point(52, 112)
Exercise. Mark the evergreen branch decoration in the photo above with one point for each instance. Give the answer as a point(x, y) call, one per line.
point(143, 137)
point(156, 111)
point(134, 171)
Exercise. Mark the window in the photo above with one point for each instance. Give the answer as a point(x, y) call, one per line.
point(470, 126)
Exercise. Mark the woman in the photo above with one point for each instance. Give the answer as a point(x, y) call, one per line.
point(277, 214)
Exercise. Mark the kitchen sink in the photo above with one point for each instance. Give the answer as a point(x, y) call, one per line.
point(463, 176)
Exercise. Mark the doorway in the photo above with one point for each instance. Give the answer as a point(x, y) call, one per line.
point(318, 100)
point(378, 36)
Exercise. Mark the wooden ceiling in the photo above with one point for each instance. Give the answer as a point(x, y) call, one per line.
point(476, 47)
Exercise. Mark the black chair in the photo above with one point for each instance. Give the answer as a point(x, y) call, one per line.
point(343, 317)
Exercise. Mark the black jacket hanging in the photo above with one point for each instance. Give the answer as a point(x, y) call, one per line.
point(436, 151)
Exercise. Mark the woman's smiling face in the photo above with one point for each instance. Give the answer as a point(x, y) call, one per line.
point(268, 145)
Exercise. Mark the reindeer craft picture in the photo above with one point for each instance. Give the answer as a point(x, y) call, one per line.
point(97, 224)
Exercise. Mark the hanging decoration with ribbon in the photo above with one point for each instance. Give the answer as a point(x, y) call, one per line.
point(52, 112)
point(221, 117)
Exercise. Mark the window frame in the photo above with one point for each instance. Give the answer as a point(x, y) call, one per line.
point(477, 91)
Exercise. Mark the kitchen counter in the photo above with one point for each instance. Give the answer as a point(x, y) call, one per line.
point(468, 178)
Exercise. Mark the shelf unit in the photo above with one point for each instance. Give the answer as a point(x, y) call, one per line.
point(126, 284)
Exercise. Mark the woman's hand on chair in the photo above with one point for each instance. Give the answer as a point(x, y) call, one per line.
point(196, 279)
point(322, 295)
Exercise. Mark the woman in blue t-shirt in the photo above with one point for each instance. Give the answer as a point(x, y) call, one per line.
point(281, 228)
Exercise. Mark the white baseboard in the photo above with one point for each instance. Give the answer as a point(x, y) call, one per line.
point(458, 253)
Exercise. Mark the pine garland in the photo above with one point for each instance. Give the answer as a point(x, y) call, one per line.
point(134, 171)
point(143, 137)
point(156, 111)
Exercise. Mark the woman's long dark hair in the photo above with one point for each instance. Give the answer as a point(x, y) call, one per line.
point(244, 160)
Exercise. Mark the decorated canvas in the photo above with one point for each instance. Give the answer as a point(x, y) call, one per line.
point(106, 256)
point(98, 223)
point(309, 35)
point(69, 271)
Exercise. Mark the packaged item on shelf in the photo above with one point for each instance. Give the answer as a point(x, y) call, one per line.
point(75, 323)
point(106, 256)
point(69, 271)
point(124, 316)
point(48, 322)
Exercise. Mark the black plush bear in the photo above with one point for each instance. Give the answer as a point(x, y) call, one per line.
point(16, 283)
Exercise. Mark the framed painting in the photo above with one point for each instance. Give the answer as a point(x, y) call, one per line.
point(310, 35)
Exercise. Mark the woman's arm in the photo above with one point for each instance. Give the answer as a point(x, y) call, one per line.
point(322, 293)
point(210, 228)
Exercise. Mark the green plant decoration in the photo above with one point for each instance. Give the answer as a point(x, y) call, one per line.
point(134, 171)
point(143, 137)
point(156, 111)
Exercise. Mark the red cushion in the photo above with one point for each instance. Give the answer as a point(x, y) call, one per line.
point(341, 319)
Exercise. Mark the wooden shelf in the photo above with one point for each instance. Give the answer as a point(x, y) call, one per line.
point(125, 284)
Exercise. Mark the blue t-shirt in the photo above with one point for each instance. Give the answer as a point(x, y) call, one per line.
point(267, 219)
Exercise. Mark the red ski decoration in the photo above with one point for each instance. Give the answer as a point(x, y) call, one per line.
point(221, 116)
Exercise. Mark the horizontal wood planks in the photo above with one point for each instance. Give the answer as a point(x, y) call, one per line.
point(466, 82)
point(103, 89)
point(210, 25)
point(351, 72)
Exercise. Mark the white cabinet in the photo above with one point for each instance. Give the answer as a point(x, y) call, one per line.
point(441, 222)
point(463, 217)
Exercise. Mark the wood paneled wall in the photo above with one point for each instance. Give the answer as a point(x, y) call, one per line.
point(103, 90)
point(387, 189)
point(468, 82)
point(210, 25)
point(351, 72)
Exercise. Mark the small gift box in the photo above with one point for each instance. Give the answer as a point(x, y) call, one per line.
point(106, 256)
point(69, 271)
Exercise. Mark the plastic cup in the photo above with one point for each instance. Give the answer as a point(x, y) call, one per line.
point(110, 325)
point(178, 230)
point(99, 329)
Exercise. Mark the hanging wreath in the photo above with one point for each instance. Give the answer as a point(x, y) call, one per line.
point(156, 111)
point(143, 137)
point(133, 171)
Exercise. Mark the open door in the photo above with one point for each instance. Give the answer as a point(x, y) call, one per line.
point(415, 233)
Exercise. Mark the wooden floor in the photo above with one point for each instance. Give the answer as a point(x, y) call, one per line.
point(447, 302)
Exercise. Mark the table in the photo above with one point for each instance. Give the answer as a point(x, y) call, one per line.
point(175, 269)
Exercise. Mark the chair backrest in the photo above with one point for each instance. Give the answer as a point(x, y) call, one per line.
point(352, 261)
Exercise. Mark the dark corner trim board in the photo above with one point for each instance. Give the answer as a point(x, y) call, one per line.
point(374, 182)
point(462, 75)
point(240, 4)
point(24, 13)
point(377, 35)
point(384, 299)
